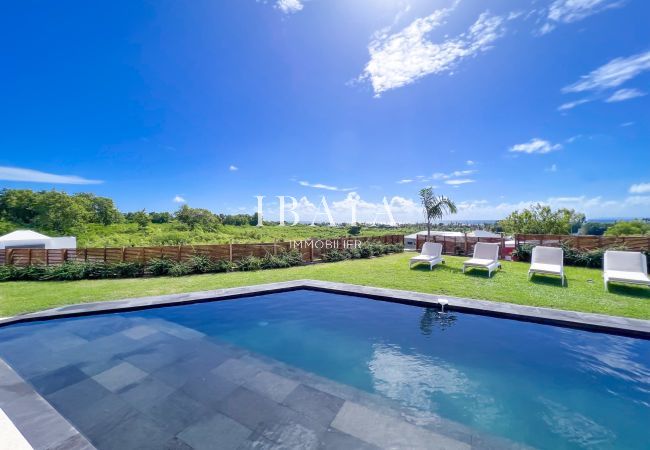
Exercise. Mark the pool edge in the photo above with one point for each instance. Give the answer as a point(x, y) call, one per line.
point(572, 319)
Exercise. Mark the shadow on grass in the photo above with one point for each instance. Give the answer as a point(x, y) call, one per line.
point(480, 273)
point(629, 290)
point(549, 280)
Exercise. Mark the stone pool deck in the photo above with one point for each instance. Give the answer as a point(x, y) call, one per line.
point(112, 381)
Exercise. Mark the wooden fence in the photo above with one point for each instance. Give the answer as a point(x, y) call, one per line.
point(461, 245)
point(586, 243)
point(311, 250)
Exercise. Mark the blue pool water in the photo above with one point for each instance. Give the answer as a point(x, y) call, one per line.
point(544, 386)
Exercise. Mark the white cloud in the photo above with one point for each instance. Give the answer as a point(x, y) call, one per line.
point(553, 168)
point(454, 174)
point(35, 176)
point(535, 145)
point(570, 105)
point(405, 181)
point(401, 58)
point(289, 6)
point(625, 94)
point(594, 207)
point(233, 168)
point(178, 199)
point(612, 74)
point(627, 124)
point(324, 186)
point(569, 11)
point(641, 188)
point(469, 162)
point(459, 182)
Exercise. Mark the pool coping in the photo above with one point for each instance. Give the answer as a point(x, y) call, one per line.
point(572, 319)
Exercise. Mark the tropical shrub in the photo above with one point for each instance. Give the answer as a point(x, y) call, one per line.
point(159, 266)
point(179, 269)
point(249, 263)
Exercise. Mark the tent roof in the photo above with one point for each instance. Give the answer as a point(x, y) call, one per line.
point(23, 235)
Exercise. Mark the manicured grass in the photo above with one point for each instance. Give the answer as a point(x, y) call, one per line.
point(584, 291)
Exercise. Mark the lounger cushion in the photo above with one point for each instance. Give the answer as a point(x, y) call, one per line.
point(627, 277)
point(546, 268)
point(479, 262)
point(424, 258)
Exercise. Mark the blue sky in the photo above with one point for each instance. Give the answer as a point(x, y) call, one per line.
point(495, 103)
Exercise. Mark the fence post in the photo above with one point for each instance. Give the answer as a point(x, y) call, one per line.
point(311, 251)
point(275, 249)
point(9, 257)
point(142, 255)
point(465, 246)
point(64, 255)
point(123, 254)
point(85, 255)
point(230, 252)
point(104, 255)
point(178, 253)
point(29, 257)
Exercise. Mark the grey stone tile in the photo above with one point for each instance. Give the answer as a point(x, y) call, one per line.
point(120, 376)
point(58, 379)
point(209, 389)
point(139, 332)
point(292, 434)
point(177, 330)
point(177, 411)
point(388, 432)
point(99, 418)
point(38, 422)
point(192, 365)
point(238, 371)
point(11, 392)
point(176, 444)
point(76, 442)
point(254, 410)
point(217, 432)
point(152, 358)
point(144, 393)
point(259, 442)
point(315, 404)
point(77, 396)
point(271, 385)
point(137, 433)
point(63, 342)
point(334, 439)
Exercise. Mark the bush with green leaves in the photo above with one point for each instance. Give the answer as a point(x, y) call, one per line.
point(159, 266)
point(179, 269)
point(572, 256)
point(201, 264)
point(249, 263)
point(335, 255)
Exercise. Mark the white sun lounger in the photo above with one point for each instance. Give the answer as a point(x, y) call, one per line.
point(431, 254)
point(547, 261)
point(486, 256)
point(625, 267)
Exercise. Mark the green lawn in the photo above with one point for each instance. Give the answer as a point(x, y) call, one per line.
point(584, 291)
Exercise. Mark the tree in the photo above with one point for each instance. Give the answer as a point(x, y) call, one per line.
point(101, 209)
point(632, 228)
point(541, 219)
point(141, 218)
point(197, 217)
point(594, 228)
point(435, 207)
point(161, 217)
point(57, 211)
point(354, 230)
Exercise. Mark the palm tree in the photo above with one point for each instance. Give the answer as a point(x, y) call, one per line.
point(435, 207)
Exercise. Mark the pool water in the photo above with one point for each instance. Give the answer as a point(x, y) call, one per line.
point(543, 386)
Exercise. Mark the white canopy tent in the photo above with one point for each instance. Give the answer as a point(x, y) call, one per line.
point(32, 239)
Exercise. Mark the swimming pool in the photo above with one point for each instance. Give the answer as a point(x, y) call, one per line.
point(531, 384)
